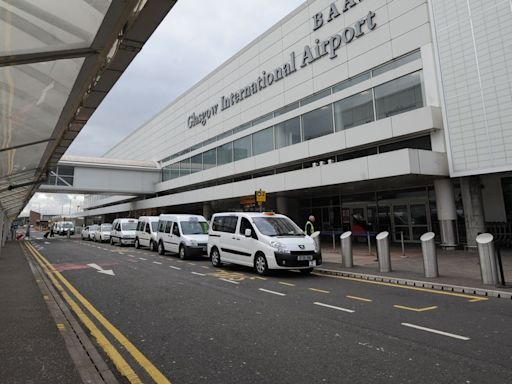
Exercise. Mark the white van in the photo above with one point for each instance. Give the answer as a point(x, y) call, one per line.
point(261, 240)
point(185, 235)
point(146, 235)
point(102, 232)
point(123, 231)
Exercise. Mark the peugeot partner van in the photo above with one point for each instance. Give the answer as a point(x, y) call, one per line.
point(263, 241)
point(123, 231)
point(185, 235)
point(102, 232)
point(146, 232)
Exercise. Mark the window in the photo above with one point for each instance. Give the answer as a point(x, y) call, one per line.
point(288, 133)
point(242, 148)
point(286, 109)
point(196, 163)
point(210, 159)
point(354, 110)
point(397, 63)
point(315, 97)
point(194, 227)
point(161, 226)
point(175, 230)
point(185, 167)
point(351, 82)
point(130, 226)
point(140, 226)
point(357, 154)
point(148, 228)
point(168, 225)
point(317, 123)
point(277, 226)
point(242, 127)
point(263, 118)
point(225, 224)
point(245, 224)
point(263, 141)
point(170, 172)
point(225, 154)
point(399, 95)
point(154, 225)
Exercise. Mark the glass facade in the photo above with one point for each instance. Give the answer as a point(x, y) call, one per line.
point(263, 141)
point(225, 154)
point(399, 95)
point(242, 148)
point(354, 110)
point(287, 133)
point(196, 163)
point(210, 159)
point(317, 123)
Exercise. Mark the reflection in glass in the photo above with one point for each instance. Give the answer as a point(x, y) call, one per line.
point(317, 123)
point(288, 133)
point(225, 154)
point(353, 111)
point(399, 95)
point(263, 141)
point(242, 148)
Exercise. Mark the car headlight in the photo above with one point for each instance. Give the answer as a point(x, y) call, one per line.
point(279, 247)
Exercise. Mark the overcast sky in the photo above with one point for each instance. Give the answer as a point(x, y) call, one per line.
point(195, 38)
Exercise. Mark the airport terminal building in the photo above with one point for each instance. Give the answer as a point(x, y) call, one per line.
point(369, 114)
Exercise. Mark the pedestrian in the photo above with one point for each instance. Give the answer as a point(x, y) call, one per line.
point(51, 231)
point(27, 234)
point(310, 228)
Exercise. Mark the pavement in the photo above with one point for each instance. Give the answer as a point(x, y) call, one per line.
point(456, 268)
point(188, 322)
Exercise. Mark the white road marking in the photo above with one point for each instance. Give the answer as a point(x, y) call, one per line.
point(131, 256)
point(436, 331)
point(141, 258)
point(230, 281)
point(176, 268)
point(47, 242)
point(334, 307)
point(157, 262)
point(198, 274)
point(272, 292)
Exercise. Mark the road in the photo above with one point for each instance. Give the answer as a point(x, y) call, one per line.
point(194, 323)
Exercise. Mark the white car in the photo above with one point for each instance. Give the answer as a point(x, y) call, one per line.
point(263, 241)
point(102, 233)
point(85, 233)
point(185, 235)
point(146, 235)
point(123, 231)
point(92, 231)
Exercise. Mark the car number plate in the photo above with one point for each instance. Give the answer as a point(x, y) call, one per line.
point(312, 263)
point(204, 249)
point(302, 258)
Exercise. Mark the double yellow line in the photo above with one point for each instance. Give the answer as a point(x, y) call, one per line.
point(121, 364)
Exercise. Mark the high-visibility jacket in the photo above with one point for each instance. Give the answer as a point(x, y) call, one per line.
point(309, 229)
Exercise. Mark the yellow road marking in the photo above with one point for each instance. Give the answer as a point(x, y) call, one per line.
point(419, 289)
point(155, 374)
point(45, 297)
point(205, 267)
point(359, 298)
point(120, 363)
point(288, 284)
point(415, 309)
point(319, 290)
point(259, 278)
point(61, 326)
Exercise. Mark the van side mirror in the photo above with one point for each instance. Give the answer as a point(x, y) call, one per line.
point(248, 233)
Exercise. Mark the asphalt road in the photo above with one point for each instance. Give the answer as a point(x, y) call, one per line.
point(197, 324)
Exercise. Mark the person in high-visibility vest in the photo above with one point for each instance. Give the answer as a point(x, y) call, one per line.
point(310, 228)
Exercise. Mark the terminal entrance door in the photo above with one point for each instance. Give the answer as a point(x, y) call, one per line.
point(412, 220)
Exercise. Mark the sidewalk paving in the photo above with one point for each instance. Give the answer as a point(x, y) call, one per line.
point(31, 347)
point(457, 267)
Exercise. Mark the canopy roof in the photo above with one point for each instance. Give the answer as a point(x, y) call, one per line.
point(58, 60)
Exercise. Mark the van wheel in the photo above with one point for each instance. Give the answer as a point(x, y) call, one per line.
point(215, 258)
point(137, 244)
point(152, 246)
point(183, 252)
point(161, 250)
point(111, 241)
point(306, 272)
point(260, 264)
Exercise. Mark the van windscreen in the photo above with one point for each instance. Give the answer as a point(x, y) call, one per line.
point(277, 226)
point(194, 227)
point(154, 226)
point(129, 226)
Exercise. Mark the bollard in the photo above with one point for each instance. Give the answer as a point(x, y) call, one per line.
point(346, 250)
point(486, 253)
point(383, 254)
point(316, 237)
point(428, 248)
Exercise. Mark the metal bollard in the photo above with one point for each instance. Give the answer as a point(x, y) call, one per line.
point(428, 248)
point(346, 250)
point(486, 253)
point(316, 237)
point(383, 254)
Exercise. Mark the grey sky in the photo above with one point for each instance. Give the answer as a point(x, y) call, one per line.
point(195, 38)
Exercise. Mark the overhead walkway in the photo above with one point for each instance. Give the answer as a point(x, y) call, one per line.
point(90, 175)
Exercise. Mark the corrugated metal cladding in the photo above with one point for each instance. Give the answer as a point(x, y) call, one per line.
point(475, 52)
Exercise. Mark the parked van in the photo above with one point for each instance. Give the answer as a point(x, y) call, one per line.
point(185, 235)
point(263, 241)
point(92, 231)
point(123, 231)
point(102, 232)
point(146, 235)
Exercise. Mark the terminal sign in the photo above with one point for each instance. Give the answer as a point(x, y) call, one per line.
point(321, 48)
